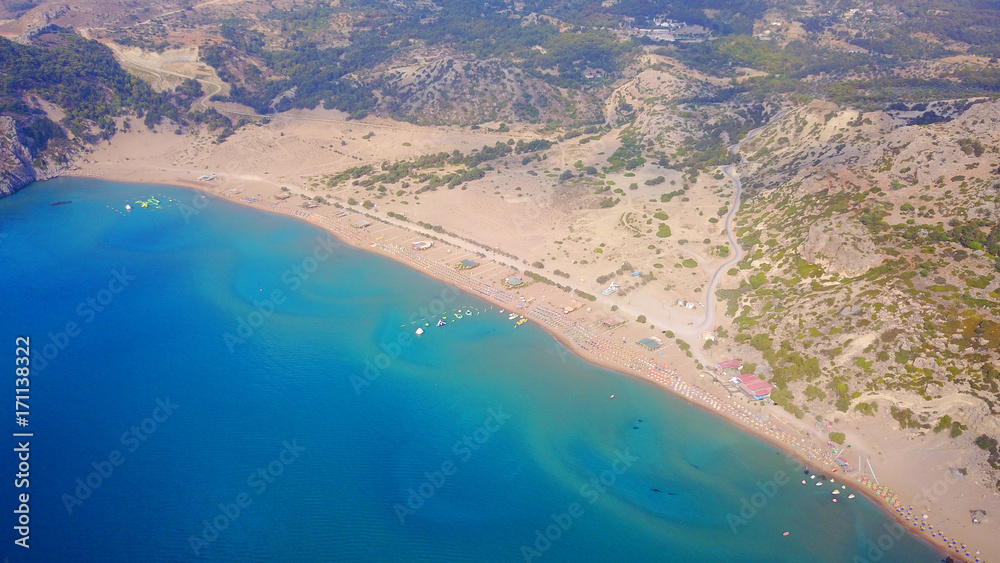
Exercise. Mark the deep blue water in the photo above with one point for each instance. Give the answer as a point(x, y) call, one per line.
point(501, 429)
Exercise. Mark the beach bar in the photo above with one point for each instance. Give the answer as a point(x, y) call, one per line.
point(753, 386)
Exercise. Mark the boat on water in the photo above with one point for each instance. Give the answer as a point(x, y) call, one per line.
point(420, 331)
point(441, 323)
point(521, 322)
point(458, 315)
point(128, 207)
point(468, 313)
point(512, 316)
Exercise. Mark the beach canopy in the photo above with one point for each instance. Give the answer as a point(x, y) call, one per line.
point(730, 364)
point(469, 263)
point(514, 280)
point(649, 343)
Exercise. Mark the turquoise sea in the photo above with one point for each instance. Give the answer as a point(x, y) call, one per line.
point(210, 382)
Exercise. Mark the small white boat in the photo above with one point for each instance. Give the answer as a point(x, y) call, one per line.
point(420, 331)
point(512, 316)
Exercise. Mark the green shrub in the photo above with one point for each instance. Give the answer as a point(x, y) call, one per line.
point(758, 280)
point(867, 409)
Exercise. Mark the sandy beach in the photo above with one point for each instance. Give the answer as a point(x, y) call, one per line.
point(905, 468)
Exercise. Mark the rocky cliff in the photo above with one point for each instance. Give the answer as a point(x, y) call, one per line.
point(16, 170)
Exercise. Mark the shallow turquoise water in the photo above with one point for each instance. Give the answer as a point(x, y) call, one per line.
point(502, 430)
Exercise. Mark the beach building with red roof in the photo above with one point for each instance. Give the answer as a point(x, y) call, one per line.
point(753, 386)
point(729, 364)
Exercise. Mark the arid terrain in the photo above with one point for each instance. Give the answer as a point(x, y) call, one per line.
point(868, 285)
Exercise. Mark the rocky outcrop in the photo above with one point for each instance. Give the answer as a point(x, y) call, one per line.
point(16, 170)
point(36, 21)
point(842, 246)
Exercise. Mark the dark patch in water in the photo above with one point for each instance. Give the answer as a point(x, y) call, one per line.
point(672, 494)
point(61, 203)
point(657, 491)
point(635, 428)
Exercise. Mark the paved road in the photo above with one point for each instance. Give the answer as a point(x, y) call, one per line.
point(729, 171)
point(710, 300)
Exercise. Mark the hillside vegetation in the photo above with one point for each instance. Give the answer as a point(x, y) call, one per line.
point(873, 261)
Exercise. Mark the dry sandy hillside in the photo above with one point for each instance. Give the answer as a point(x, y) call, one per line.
point(866, 281)
point(431, 86)
point(545, 207)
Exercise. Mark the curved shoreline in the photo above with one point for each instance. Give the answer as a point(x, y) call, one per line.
point(574, 337)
